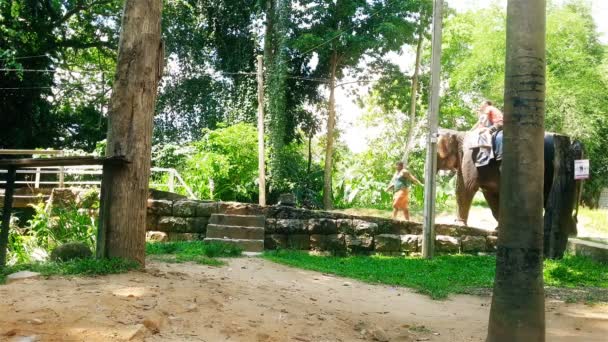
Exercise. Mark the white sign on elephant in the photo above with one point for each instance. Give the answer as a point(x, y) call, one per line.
point(581, 169)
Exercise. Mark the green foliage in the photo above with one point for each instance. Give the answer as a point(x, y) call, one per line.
point(443, 275)
point(192, 251)
point(22, 246)
point(47, 230)
point(61, 225)
point(224, 164)
point(55, 35)
point(84, 267)
point(303, 183)
point(212, 44)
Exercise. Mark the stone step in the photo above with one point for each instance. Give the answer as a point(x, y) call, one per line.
point(246, 245)
point(234, 232)
point(238, 220)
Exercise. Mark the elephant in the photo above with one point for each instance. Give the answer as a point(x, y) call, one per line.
point(454, 155)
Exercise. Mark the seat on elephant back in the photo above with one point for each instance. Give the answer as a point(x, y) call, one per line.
point(486, 147)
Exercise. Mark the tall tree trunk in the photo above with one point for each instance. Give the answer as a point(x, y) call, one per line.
point(331, 123)
point(277, 25)
point(139, 68)
point(414, 96)
point(268, 49)
point(518, 304)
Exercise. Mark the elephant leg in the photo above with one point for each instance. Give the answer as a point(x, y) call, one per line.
point(493, 201)
point(464, 199)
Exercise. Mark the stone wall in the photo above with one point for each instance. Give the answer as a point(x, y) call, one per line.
point(288, 227)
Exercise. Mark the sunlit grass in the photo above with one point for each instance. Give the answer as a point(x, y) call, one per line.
point(443, 275)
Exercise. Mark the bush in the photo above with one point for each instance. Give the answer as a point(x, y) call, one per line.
point(61, 225)
point(47, 230)
point(224, 165)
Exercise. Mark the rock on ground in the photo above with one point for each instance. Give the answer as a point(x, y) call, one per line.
point(22, 275)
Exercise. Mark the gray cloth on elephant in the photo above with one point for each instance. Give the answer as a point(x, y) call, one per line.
point(483, 146)
point(488, 147)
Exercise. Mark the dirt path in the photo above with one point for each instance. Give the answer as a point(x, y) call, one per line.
point(255, 300)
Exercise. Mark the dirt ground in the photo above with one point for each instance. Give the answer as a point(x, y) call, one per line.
point(251, 299)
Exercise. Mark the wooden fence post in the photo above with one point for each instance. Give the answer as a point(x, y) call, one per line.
point(6, 213)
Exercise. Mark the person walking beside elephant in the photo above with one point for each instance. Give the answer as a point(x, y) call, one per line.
point(400, 184)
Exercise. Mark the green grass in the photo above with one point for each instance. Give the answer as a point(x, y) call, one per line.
point(177, 252)
point(200, 252)
point(85, 267)
point(442, 275)
point(575, 271)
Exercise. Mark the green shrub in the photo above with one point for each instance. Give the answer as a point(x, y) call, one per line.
point(61, 225)
point(47, 230)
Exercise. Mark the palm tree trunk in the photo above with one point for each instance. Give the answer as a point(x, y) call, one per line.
point(414, 96)
point(331, 123)
point(518, 304)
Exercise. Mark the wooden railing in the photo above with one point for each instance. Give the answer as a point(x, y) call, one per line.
point(90, 175)
point(173, 183)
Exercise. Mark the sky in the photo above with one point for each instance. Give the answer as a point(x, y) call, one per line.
point(355, 136)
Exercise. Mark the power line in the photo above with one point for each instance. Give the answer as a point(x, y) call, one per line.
point(51, 71)
point(25, 57)
point(26, 88)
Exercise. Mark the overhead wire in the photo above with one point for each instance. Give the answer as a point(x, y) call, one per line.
point(25, 57)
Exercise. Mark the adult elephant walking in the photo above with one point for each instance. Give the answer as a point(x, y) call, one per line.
point(455, 154)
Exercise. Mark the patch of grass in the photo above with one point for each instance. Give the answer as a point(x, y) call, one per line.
point(442, 275)
point(437, 277)
point(85, 267)
point(575, 271)
point(200, 252)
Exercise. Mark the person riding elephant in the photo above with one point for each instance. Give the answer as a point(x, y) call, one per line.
point(489, 125)
point(490, 118)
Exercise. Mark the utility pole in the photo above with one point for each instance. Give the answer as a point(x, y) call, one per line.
point(428, 237)
point(261, 161)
